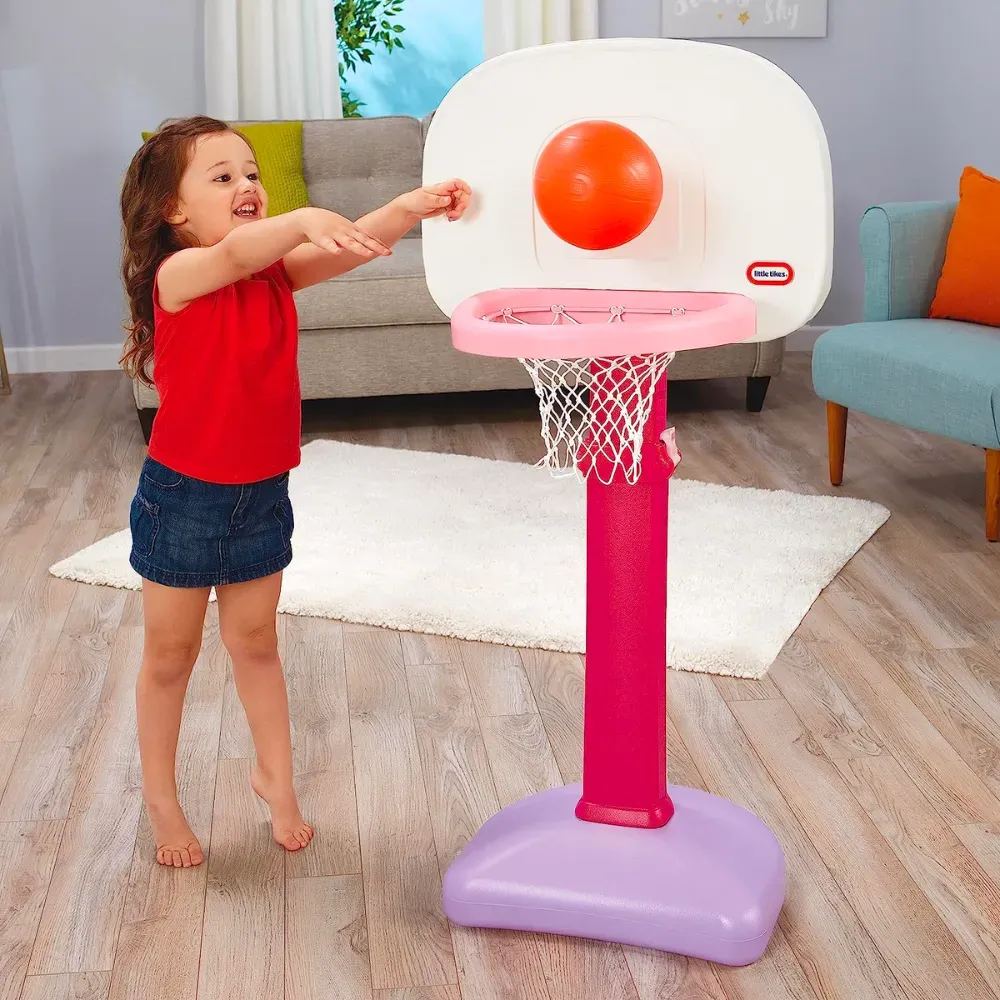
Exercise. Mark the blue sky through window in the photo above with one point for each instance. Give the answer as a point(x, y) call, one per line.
point(443, 39)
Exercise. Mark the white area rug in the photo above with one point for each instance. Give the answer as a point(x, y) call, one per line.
point(495, 551)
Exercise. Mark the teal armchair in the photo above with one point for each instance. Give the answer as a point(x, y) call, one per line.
point(939, 376)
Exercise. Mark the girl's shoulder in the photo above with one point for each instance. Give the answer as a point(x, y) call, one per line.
point(161, 317)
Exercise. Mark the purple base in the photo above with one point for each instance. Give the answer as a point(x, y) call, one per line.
point(709, 884)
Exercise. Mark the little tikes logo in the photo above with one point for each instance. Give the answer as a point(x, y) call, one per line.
point(770, 272)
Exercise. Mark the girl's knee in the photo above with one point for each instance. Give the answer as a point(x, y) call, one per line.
point(169, 659)
point(254, 646)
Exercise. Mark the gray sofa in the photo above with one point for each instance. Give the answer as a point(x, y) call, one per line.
point(376, 331)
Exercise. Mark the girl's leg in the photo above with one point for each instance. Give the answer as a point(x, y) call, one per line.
point(247, 613)
point(173, 618)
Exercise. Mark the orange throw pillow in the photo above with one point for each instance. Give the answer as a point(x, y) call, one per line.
point(969, 287)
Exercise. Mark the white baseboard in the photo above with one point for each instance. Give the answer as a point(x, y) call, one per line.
point(804, 339)
point(84, 358)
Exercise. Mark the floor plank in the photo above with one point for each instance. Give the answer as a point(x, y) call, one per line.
point(42, 782)
point(82, 916)
point(949, 695)
point(326, 943)
point(8, 753)
point(954, 788)
point(803, 679)
point(420, 993)
point(983, 843)
point(520, 756)
point(497, 680)
point(79, 986)
point(36, 629)
point(408, 936)
point(832, 947)
point(245, 899)
point(499, 965)
point(27, 857)
point(17, 473)
point(22, 541)
point(557, 685)
point(871, 876)
point(671, 977)
point(461, 795)
point(321, 737)
point(962, 894)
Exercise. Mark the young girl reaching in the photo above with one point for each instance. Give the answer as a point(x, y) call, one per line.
point(210, 279)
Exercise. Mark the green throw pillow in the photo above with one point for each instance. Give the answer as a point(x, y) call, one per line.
point(278, 146)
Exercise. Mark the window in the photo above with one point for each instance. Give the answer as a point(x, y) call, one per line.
point(400, 57)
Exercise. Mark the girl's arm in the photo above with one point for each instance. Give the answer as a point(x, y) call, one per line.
point(196, 271)
point(309, 265)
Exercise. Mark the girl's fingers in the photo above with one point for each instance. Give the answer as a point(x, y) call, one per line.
point(329, 243)
point(369, 241)
point(356, 246)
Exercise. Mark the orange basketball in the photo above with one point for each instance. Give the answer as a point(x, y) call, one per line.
point(597, 185)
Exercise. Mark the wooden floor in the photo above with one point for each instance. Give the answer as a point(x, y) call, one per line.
point(872, 747)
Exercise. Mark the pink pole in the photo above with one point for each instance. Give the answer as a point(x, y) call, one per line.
point(625, 700)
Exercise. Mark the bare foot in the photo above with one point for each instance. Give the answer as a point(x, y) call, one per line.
point(176, 844)
point(290, 830)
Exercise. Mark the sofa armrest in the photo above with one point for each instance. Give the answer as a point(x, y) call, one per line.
point(903, 247)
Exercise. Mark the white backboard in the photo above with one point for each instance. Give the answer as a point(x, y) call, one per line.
point(747, 205)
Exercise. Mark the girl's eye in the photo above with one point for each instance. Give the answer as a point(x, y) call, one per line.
point(253, 177)
point(225, 178)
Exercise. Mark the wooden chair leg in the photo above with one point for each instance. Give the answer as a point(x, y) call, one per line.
point(4, 374)
point(836, 431)
point(992, 495)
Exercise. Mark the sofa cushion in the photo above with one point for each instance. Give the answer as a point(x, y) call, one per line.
point(939, 376)
point(278, 147)
point(388, 291)
point(354, 165)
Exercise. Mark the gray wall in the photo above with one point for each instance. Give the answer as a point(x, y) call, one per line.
point(861, 79)
point(78, 83)
point(959, 101)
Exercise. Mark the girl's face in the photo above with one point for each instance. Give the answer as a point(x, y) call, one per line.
point(220, 189)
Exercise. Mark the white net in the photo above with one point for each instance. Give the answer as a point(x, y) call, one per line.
point(594, 410)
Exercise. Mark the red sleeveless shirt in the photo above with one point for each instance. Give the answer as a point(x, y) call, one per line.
point(226, 370)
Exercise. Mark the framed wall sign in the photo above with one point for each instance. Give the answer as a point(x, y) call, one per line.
point(744, 18)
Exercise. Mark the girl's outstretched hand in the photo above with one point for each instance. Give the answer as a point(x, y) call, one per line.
point(334, 233)
point(449, 198)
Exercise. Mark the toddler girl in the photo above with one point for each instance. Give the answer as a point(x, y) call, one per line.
point(209, 279)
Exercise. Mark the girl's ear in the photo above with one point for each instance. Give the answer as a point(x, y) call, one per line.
point(176, 216)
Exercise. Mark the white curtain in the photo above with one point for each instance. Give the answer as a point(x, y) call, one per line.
point(516, 24)
point(271, 59)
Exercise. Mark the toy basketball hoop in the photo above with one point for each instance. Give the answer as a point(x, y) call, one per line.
point(596, 360)
point(583, 230)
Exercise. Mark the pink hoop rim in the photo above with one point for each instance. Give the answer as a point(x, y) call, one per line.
point(711, 319)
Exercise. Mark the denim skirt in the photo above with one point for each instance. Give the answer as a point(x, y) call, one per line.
point(189, 533)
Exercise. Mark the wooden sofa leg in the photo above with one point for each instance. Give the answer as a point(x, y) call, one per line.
point(756, 391)
point(146, 417)
point(992, 495)
point(836, 431)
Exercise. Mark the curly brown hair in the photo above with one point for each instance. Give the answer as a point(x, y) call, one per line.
point(149, 196)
